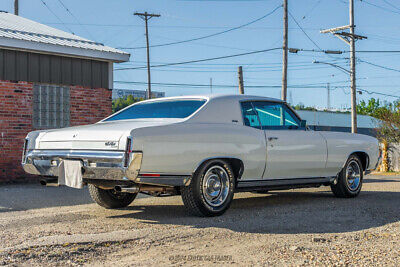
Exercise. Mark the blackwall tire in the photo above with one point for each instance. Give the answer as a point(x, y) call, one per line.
point(211, 190)
point(110, 199)
point(350, 179)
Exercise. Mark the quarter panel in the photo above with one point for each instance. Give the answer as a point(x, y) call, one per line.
point(342, 145)
point(180, 148)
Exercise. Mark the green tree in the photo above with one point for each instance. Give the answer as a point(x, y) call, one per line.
point(301, 106)
point(122, 102)
point(372, 108)
point(388, 115)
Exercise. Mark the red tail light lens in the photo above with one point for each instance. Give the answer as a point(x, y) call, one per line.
point(128, 151)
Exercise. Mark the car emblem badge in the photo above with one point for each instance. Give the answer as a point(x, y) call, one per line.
point(109, 143)
point(74, 135)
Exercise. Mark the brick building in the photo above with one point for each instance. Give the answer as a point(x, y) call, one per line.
point(48, 79)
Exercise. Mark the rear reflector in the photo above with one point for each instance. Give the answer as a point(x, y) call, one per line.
point(150, 174)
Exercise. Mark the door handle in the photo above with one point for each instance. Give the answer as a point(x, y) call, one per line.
point(272, 138)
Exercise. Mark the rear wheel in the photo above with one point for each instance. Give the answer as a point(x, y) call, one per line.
point(349, 180)
point(109, 198)
point(210, 192)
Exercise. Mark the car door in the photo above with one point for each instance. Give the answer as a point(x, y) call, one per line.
point(292, 151)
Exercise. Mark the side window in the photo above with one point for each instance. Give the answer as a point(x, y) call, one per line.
point(275, 116)
point(249, 115)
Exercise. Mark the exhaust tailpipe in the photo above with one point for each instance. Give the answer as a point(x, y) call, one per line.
point(49, 181)
point(124, 189)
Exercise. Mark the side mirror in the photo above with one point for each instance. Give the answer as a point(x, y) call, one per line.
point(303, 124)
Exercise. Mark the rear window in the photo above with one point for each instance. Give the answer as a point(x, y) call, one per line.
point(160, 109)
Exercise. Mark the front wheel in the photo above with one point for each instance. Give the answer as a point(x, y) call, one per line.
point(349, 180)
point(210, 192)
point(109, 198)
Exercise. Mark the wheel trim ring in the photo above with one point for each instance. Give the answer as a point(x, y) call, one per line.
point(215, 196)
point(353, 175)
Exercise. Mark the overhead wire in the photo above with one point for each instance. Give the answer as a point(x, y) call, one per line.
point(379, 66)
point(76, 19)
point(209, 35)
point(305, 86)
point(55, 15)
point(309, 38)
point(380, 7)
point(203, 60)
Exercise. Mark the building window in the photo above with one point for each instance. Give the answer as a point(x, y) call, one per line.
point(51, 106)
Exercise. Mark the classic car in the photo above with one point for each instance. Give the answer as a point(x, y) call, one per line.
point(204, 148)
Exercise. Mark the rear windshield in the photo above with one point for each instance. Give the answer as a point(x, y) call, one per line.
point(160, 109)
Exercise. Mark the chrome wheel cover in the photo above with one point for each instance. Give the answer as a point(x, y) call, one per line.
point(353, 175)
point(216, 186)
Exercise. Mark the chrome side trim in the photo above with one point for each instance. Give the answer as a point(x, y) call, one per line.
point(134, 167)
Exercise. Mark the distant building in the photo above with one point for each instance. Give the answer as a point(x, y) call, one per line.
point(338, 122)
point(118, 93)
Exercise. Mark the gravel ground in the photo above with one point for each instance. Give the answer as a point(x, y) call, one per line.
point(60, 226)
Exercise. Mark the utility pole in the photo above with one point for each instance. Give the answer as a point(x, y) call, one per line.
point(240, 77)
point(285, 50)
point(146, 16)
point(353, 70)
point(350, 38)
point(328, 100)
point(16, 7)
point(211, 85)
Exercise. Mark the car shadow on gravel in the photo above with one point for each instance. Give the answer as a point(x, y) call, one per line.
point(31, 196)
point(284, 212)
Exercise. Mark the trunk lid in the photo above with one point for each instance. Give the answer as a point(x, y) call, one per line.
point(102, 135)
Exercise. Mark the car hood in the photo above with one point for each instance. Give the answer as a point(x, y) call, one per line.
point(95, 136)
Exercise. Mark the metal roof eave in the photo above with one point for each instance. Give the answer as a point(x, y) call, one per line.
point(16, 44)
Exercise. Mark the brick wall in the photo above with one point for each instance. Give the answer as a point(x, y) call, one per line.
point(87, 106)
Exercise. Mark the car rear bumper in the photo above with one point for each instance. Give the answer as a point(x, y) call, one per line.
point(100, 166)
point(96, 164)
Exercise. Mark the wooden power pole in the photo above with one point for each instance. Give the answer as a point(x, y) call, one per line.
point(350, 38)
point(240, 77)
point(146, 16)
point(285, 50)
point(16, 7)
point(353, 70)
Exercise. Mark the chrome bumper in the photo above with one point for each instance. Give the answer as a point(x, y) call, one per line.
point(107, 165)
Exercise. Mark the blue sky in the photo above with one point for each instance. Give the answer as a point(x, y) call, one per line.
point(113, 23)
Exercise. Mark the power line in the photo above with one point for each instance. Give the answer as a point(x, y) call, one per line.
point(380, 7)
point(379, 66)
point(305, 86)
point(202, 60)
point(218, 85)
point(178, 26)
point(390, 4)
point(76, 19)
point(312, 9)
point(55, 15)
point(345, 51)
point(241, 63)
point(309, 38)
point(377, 93)
point(207, 36)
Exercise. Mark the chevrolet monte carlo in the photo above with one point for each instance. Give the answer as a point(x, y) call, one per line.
point(204, 148)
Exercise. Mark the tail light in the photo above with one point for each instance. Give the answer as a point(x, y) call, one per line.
point(24, 150)
point(128, 151)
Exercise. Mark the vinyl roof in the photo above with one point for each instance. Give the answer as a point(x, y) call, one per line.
point(20, 33)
